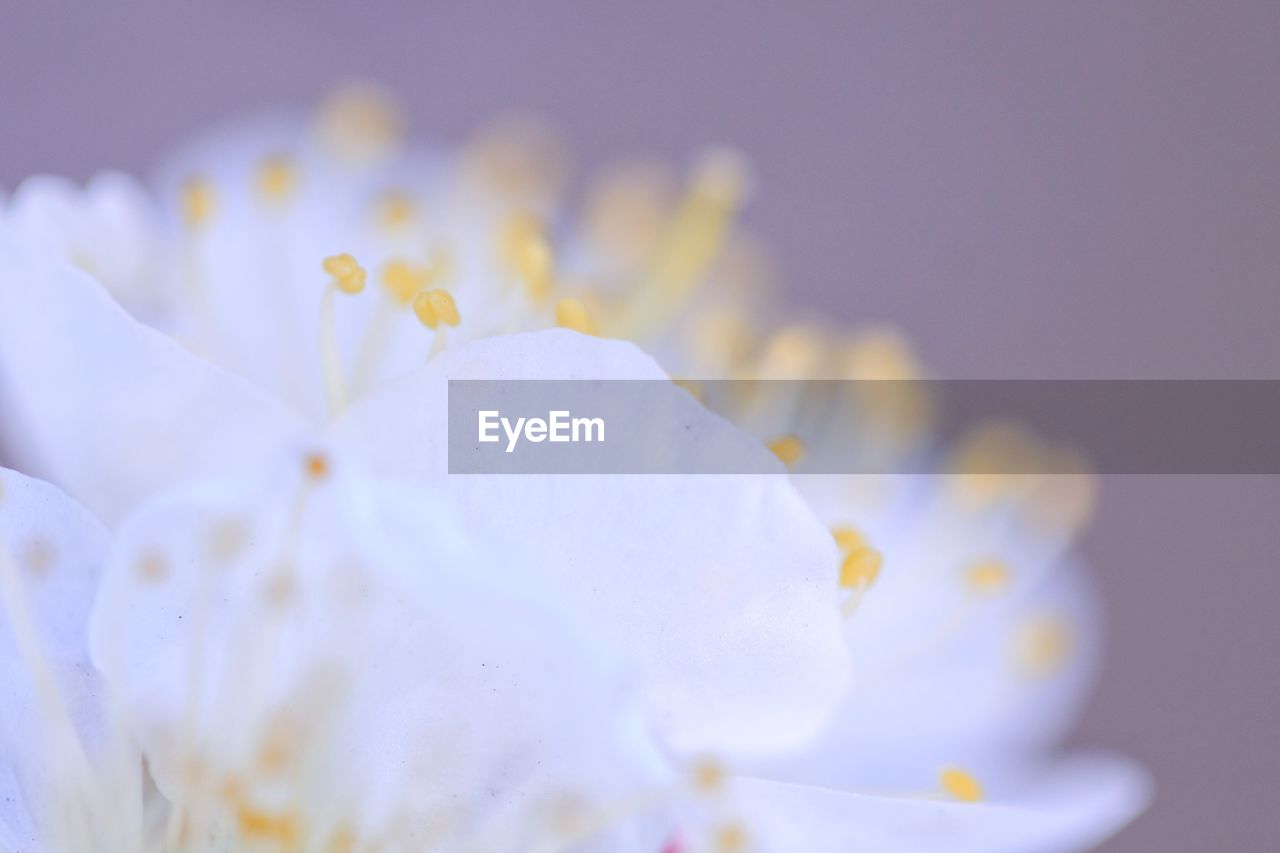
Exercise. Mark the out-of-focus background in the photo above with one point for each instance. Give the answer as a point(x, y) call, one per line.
point(1076, 189)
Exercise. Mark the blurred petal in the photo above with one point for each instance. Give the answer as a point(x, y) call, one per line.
point(1072, 806)
point(55, 549)
point(720, 586)
point(109, 228)
point(319, 624)
point(105, 407)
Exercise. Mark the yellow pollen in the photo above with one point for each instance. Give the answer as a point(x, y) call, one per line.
point(708, 776)
point(572, 314)
point(1044, 644)
point(730, 838)
point(788, 448)
point(960, 785)
point(277, 178)
point(987, 577)
point(434, 307)
point(348, 276)
point(861, 568)
point(847, 538)
point(281, 828)
point(395, 210)
point(198, 202)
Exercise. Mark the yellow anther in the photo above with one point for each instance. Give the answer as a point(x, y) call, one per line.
point(987, 577)
point(395, 210)
point(434, 307)
point(38, 558)
point(152, 567)
point(402, 281)
point(847, 537)
point(880, 354)
point(960, 785)
point(730, 838)
point(280, 828)
point(707, 776)
point(198, 202)
point(348, 275)
point(277, 178)
point(572, 314)
point(316, 466)
point(628, 207)
point(695, 388)
point(788, 448)
point(1043, 644)
point(528, 253)
point(227, 540)
point(861, 568)
point(361, 123)
point(793, 352)
point(518, 156)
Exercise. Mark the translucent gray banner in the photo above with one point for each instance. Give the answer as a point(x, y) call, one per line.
point(1006, 427)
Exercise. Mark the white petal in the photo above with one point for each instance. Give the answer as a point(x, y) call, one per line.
point(55, 549)
point(103, 406)
point(110, 228)
point(1073, 805)
point(988, 693)
point(722, 587)
point(355, 617)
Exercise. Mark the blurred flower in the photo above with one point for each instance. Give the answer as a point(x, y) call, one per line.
point(269, 633)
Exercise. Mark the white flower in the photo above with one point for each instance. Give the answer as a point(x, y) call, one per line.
point(315, 285)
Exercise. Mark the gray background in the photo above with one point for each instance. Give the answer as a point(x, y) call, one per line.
point(1031, 189)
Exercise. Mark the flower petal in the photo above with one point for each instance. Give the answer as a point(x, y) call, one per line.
point(52, 551)
point(308, 619)
point(721, 587)
point(1072, 806)
point(103, 406)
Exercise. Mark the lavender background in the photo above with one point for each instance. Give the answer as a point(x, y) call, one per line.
point(1085, 189)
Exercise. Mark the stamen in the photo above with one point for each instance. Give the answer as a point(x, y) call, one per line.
point(264, 826)
point(708, 776)
point(348, 277)
point(38, 558)
point(861, 568)
point(1043, 644)
point(401, 281)
point(572, 314)
point(987, 577)
point(847, 538)
point(317, 466)
point(731, 838)
point(692, 240)
point(433, 307)
point(277, 178)
point(959, 784)
point(395, 210)
point(152, 567)
point(361, 123)
point(528, 252)
point(198, 202)
point(788, 448)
